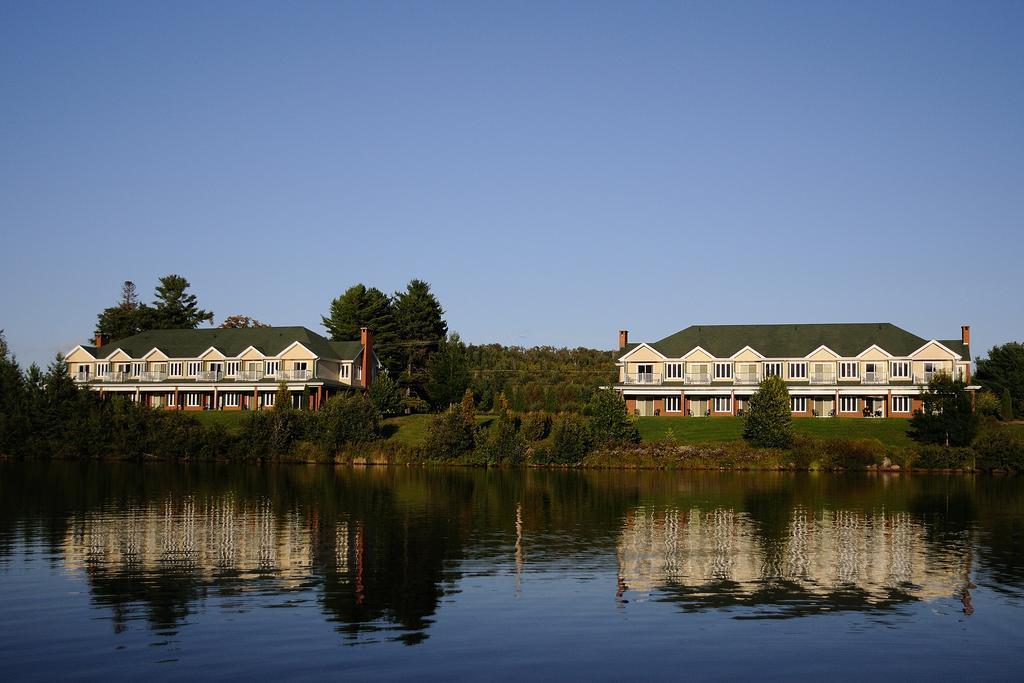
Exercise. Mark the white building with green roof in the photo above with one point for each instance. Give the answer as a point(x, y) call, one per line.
point(225, 369)
point(840, 369)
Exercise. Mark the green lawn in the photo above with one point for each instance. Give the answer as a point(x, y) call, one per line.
point(232, 419)
point(411, 430)
point(891, 432)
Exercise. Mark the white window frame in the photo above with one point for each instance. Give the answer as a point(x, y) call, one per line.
point(773, 369)
point(124, 367)
point(271, 367)
point(673, 371)
point(193, 368)
point(845, 367)
point(216, 366)
point(232, 399)
point(193, 399)
point(174, 368)
point(673, 404)
point(845, 402)
point(138, 368)
point(170, 399)
point(268, 398)
point(723, 370)
point(795, 401)
point(800, 368)
point(300, 365)
point(231, 368)
point(84, 369)
point(723, 404)
point(102, 369)
point(346, 370)
point(904, 365)
point(904, 403)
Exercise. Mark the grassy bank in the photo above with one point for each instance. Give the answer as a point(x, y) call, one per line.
point(710, 430)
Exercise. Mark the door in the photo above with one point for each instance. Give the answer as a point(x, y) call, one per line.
point(699, 407)
point(645, 407)
point(823, 407)
point(644, 374)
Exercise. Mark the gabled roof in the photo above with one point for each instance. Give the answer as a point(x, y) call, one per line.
point(230, 341)
point(792, 341)
point(956, 346)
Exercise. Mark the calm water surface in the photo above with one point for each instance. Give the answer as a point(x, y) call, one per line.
point(164, 572)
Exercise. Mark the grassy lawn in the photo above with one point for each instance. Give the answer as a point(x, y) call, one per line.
point(231, 419)
point(411, 430)
point(891, 432)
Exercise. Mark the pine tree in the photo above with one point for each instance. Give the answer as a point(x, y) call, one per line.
point(609, 419)
point(769, 420)
point(1006, 406)
point(421, 328)
point(283, 399)
point(127, 317)
point(448, 373)
point(174, 308)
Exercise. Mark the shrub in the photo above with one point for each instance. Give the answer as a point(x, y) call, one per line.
point(998, 449)
point(934, 457)
point(854, 454)
point(346, 419)
point(609, 419)
point(503, 443)
point(572, 440)
point(385, 395)
point(947, 417)
point(453, 432)
point(1006, 406)
point(986, 403)
point(769, 421)
point(536, 426)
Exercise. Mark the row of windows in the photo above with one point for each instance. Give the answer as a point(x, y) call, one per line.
point(193, 399)
point(798, 404)
point(195, 368)
point(847, 369)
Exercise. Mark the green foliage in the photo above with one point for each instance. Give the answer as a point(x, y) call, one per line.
point(1006, 406)
point(452, 433)
point(999, 449)
point(384, 394)
point(347, 419)
point(768, 421)
point(360, 307)
point(947, 417)
point(421, 328)
point(174, 308)
point(848, 454)
point(448, 373)
point(283, 398)
point(933, 457)
point(609, 419)
point(1003, 370)
point(572, 440)
point(536, 426)
point(986, 403)
point(127, 317)
point(503, 443)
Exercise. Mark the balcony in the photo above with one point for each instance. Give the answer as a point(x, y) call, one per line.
point(152, 376)
point(924, 377)
point(299, 375)
point(633, 378)
point(747, 378)
point(697, 378)
point(249, 375)
point(113, 377)
point(878, 377)
point(209, 376)
point(83, 377)
point(822, 378)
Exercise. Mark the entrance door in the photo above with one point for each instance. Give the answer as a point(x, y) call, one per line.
point(699, 407)
point(645, 407)
point(823, 407)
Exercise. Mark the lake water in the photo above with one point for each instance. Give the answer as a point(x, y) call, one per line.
point(166, 571)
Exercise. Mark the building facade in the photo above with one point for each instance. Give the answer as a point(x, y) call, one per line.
point(225, 369)
point(844, 370)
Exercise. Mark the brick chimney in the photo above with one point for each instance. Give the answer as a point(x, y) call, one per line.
point(366, 337)
point(101, 340)
point(965, 334)
point(623, 339)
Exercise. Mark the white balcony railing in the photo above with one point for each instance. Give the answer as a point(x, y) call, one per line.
point(113, 377)
point(294, 374)
point(82, 377)
point(747, 378)
point(698, 378)
point(875, 378)
point(209, 375)
point(924, 377)
point(822, 378)
point(249, 375)
point(643, 378)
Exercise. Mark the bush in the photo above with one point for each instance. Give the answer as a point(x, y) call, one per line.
point(348, 419)
point(1006, 406)
point(933, 457)
point(998, 449)
point(385, 395)
point(768, 422)
point(947, 417)
point(453, 432)
point(854, 454)
point(536, 426)
point(609, 419)
point(503, 443)
point(986, 403)
point(572, 440)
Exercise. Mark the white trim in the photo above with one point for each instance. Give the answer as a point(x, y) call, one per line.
point(876, 347)
point(80, 347)
point(910, 370)
point(808, 356)
point(782, 368)
point(694, 350)
point(856, 366)
point(678, 401)
point(909, 401)
point(793, 400)
point(856, 405)
point(727, 400)
point(289, 348)
point(212, 348)
point(253, 348)
point(797, 363)
point(727, 365)
point(941, 345)
point(746, 348)
point(642, 345)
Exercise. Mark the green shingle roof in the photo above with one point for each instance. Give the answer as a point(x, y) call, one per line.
point(795, 341)
point(231, 342)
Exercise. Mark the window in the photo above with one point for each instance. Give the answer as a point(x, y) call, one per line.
point(138, 369)
point(255, 367)
point(268, 400)
point(672, 404)
point(345, 370)
point(272, 366)
point(673, 371)
point(194, 368)
point(798, 370)
point(723, 404)
point(798, 404)
point(848, 370)
point(848, 404)
point(123, 367)
point(216, 367)
point(359, 372)
point(231, 400)
point(83, 371)
point(231, 368)
point(901, 404)
point(698, 372)
point(723, 371)
point(773, 369)
point(102, 369)
point(300, 366)
point(170, 399)
point(175, 369)
point(900, 369)
point(193, 399)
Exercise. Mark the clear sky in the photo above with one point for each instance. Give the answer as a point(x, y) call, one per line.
point(557, 171)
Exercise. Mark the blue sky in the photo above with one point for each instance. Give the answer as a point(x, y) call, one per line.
point(557, 171)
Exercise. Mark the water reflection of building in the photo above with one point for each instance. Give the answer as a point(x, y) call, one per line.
point(822, 553)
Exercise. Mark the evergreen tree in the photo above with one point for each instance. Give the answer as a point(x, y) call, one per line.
point(1004, 370)
point(947, 417)
point(283, 398)
point(174, 308)
point(769, 420)
point(448, 373)
point(14, 424)
point(609, 419)
point(384, 395)
point(127, 317)
point(421, 328)
point(1006, 406)
point(359, 307)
